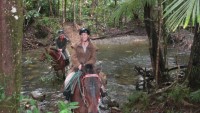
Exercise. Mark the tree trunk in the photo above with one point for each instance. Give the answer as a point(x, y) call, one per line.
point(194, 63)
point(58, 8)
point(80, 11)
point(11, 33)
point(93, 6)
point(55, 11)
point(50, 8)
point(156, 58)
point(74, 11)
point(65, 10)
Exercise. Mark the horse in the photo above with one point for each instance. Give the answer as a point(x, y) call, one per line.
point(87, 91)
point(57, 60)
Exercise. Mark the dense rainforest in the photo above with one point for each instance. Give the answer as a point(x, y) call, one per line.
point(31, 24)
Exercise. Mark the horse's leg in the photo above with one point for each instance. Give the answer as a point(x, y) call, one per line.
point(57, 74)
point(63, 73)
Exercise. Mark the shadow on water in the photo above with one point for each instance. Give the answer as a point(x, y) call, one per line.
point(116, 59)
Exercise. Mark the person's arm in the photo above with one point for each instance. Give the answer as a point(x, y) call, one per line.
point(74, 57)
point(64, 44)
point(92, 59)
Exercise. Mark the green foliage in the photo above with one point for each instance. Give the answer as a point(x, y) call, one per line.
point(178, 93)
point(31, 14)
point(195, 96)
point(182, 12)
point(144, 100)
point(33, 104)
point(172, 111)
point(139, 96)
point(2, 94)
point(134, 97)
point(67, 107)
point(37, 5)
point(52, 23)
point(127, 9)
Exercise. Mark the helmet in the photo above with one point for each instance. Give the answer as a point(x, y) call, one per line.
point(61, 31)
point(84, 30)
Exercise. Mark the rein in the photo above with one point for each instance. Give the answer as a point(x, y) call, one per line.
point(48, 53)
point(59, 57)
point(82, 91)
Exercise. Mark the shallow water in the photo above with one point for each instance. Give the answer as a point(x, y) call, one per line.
point(117, 60)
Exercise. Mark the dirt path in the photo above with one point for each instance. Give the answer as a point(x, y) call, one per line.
point(72, 32)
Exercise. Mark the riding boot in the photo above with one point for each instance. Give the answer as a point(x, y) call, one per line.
point(67, 93)
point(65, 57)
point(103, 93)
point(67, 62)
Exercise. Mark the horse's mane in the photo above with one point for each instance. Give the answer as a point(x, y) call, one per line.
point(53, 48)
point(88, 69)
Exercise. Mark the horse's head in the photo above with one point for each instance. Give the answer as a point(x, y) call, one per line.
point(92, 86)
point(88, 94)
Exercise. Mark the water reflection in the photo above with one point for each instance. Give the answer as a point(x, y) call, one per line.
point(119, 60)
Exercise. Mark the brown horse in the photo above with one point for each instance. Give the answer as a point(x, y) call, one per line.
point(87, 93)
point(57, 61)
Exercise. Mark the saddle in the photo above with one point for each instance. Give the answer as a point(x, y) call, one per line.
point(75, 80)
point(67, 62)
point(70, 87)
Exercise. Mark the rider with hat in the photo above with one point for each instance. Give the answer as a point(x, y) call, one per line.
point(61, 44)
point(84, 53)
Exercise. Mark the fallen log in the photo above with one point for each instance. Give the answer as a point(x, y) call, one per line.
point(112, 35)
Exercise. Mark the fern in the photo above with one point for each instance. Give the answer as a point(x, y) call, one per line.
point(145, 100)
point(178, 93)
point(67, 107)
point(134, 97)
point(195, 96)
point(2, 93)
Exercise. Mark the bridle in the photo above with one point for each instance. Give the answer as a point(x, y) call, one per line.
point(83, 89)
point(48, 53)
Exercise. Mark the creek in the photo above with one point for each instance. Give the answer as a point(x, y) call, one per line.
point(116, 56)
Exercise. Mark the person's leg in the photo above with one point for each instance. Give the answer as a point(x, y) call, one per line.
point(68, 78)
point(65, 54)
point(67, 90)
point(66, 57)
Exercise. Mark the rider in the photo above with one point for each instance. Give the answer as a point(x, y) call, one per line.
point(84, 53)
point(61, 43)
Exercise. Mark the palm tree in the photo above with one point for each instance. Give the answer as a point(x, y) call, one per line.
point(184, 13)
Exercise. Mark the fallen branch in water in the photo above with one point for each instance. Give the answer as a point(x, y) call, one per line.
point(178, 67)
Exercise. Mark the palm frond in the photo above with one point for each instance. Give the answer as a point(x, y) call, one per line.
point(182, 12)
point(127, 7)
